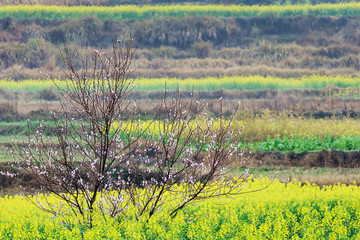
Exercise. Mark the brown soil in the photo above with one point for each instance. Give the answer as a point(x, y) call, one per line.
point(327, 159)
point(23, 182)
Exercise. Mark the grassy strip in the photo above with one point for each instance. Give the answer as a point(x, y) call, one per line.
point(305, 144)
point(206, 84)
point(21, 128)
point(282, 211)
point(133, 12)
point(277, 144)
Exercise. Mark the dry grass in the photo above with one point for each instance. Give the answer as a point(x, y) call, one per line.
point(262, 70)
point(319, 176)
point(326, 47)
point(149, 106)
point(330, 99)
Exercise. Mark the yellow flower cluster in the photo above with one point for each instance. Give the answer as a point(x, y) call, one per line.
point(206, 84)
point(132, 12)
point(280, 211)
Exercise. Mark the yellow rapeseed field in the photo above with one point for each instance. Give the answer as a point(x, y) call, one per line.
point(281, 211)
point(206, 84)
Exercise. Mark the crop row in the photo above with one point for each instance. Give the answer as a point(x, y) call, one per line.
point(281, 133)
point(281, 211)
point(262, 128)
point(256, 128)
point(267, 132)
point(208, 83)
point(304, 144)
point(132, 12)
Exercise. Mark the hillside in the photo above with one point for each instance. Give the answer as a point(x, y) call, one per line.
point(191, 46)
